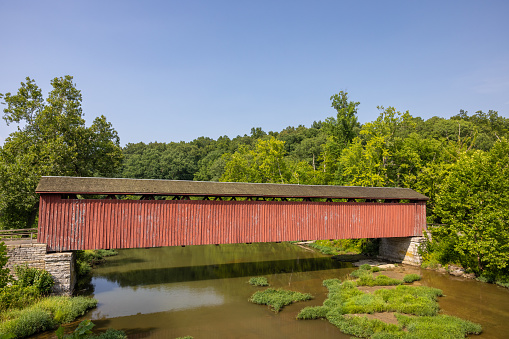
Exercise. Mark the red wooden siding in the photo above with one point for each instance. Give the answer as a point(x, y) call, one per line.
point(72, 224)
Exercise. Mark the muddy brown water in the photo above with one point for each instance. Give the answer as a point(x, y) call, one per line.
point(203, 291)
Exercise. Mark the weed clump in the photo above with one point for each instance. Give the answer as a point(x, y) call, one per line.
point(259, 281)
point(277, 299)
point(410, 278)
point(44, 315)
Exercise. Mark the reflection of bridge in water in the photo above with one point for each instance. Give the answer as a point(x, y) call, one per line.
point(92, 213)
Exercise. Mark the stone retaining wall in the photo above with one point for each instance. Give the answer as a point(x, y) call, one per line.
point(60, 265)
point(404, 250)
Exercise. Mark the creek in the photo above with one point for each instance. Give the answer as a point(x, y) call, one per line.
point(203, 291)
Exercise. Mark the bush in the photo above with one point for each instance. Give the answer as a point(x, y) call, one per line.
point(259, 281)
point(410, 278)
point(29, 276)
point(16, 296)
point(277, 299)
point(87, 258)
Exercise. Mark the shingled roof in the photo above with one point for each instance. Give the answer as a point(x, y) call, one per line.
point(79, 185)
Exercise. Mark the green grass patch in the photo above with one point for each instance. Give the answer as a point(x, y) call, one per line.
point(410, 278)
point(43, 315)
point(381, 280)
point(258, 281)
point(418, 302)
point(277, 299)
point(440, 326)
point(313, 312)
point(362, 327)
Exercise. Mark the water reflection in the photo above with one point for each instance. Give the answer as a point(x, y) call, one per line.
point(117, 301)
point(149, 276)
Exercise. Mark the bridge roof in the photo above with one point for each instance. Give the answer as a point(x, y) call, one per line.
point(80, 185)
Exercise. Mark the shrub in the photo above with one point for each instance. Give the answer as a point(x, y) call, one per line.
point(29, 276)
point(410, 278)
point(16, 296)
point(277, 299)
point(259, 281)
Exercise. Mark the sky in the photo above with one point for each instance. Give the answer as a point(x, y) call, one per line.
point(177, 70)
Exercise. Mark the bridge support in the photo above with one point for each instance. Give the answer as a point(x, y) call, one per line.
point(404, 250)
point(61, 265)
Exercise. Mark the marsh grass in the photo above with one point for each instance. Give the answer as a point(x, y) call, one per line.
point(46, 314)
point(380, 280)
point(258, 281)
point(419, 302)
point(410, 278)
point(277, 299)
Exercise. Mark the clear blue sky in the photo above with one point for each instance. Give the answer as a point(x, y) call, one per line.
point(177, 70)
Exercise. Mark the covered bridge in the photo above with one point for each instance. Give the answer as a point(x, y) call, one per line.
point(92, 213)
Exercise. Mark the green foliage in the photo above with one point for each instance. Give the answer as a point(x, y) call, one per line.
point(66, 309)
point(44, 314)
point(259, 281)
point(366, 271)
point(313, 312)
point(345, 298)
point(264, 164)
point(84, 331)
point(5, 273)
point(29, 276)
point(279, 298)
point(16, 296)
point(416, 300)
point(361, 327)
point(380, 280)
point(87, 258)
point(474, 206)
point(27, 323)
point(51, 139)
point(410, 278)
point(186, 337)
point(440, 326)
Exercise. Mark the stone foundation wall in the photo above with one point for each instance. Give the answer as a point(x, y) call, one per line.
point(403, 250)
point(60, 265)
point(30, 254)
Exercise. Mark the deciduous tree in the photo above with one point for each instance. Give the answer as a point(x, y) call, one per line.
point(51, 139)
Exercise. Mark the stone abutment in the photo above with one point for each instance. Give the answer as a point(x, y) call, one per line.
point(61, 266)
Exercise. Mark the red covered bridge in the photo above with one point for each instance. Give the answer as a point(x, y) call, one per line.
point(92, 213)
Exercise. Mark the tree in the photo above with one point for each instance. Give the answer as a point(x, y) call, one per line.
point(51, 139)
point(474, 206)
point(370, 158)
point(265, 163)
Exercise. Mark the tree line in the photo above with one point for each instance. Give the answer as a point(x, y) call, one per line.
point(460, 162)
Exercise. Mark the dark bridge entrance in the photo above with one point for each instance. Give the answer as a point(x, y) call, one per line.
point(92, 213)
